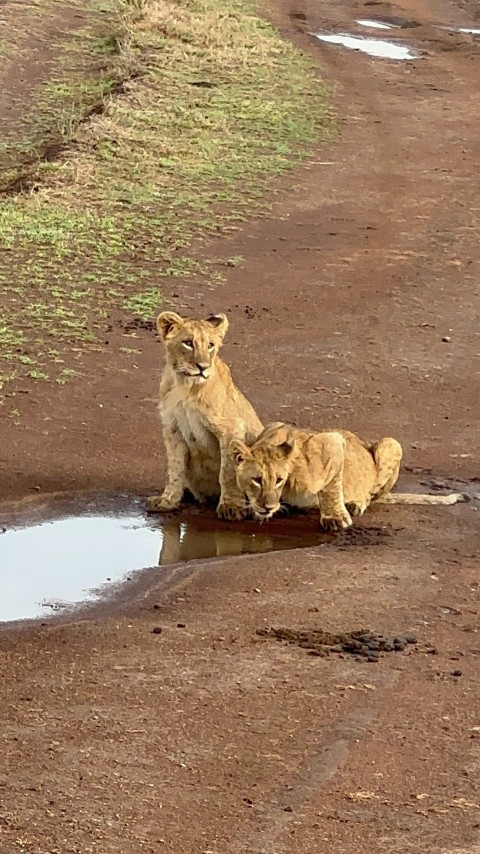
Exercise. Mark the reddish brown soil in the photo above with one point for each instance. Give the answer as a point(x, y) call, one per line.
point(209, 738)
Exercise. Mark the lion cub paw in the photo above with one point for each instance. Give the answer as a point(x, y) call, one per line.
point(231, 512)
point(336, 523)
point(161, 504)
point(356, 509)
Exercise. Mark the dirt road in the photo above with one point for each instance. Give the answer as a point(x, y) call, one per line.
point(357, 304)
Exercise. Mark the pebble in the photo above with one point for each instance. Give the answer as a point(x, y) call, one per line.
point(157, 630)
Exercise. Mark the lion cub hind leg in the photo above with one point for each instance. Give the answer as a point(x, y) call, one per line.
point(357, 508)
point(334, 516)
point(387, 454)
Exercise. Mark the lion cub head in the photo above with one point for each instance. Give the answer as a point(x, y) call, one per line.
point(261, 472)
point(192, 345)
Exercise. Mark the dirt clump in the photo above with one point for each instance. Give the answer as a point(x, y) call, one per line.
point(361, 643)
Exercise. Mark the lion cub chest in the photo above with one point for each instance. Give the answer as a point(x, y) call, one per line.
point(179, 413)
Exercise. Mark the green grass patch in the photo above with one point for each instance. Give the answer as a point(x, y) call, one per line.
point(214, 105)
point(75, 71)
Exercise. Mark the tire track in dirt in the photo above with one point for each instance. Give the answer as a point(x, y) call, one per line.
point(305, 782)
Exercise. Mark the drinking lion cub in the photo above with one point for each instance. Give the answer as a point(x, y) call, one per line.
point(335, 471)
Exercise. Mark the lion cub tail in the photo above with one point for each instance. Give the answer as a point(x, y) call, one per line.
point(420, 498)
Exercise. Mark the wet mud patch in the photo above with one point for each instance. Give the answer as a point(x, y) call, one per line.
point(363, 644)
point(374, 535)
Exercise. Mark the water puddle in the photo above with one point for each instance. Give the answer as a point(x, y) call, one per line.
point(372, 47)
point(472, 31)
point(374, 25)
point(53, 564)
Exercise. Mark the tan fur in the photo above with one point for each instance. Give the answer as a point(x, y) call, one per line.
point(335, 471)
point(201, 410)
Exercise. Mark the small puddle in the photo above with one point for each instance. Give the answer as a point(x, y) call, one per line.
point(472, 31)
point(372, 47)
point(52, 565)
point(374, 25)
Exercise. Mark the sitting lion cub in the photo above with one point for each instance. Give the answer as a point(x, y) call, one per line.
point(202, 410)
point(335, 471)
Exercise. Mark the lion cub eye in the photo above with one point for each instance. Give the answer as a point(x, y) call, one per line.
point(257, 481)
point(279, 481)
point(188, 344)
point(211, 346)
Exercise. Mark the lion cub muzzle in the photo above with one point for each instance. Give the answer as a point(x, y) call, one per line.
point(264, 507)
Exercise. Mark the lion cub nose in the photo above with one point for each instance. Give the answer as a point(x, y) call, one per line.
point(270, 507)
point(202, 366)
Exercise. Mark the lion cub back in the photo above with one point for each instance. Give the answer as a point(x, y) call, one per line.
point(359, 471)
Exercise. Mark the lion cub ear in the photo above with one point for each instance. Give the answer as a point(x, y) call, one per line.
point(167, 322)
point(219, 323)
point(286, 448)
point(239, 451)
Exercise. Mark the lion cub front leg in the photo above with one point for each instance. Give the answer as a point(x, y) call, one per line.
point(334, 515)
point(177, 454)
point(232, 505)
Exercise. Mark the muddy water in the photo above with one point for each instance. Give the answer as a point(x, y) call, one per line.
point(374, 25)
point(58, 557)
point(373, 47)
